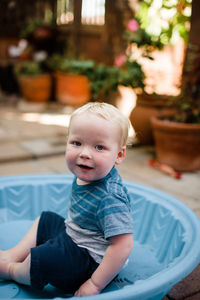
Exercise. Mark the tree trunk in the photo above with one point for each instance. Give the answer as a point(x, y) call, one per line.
point(193, 46)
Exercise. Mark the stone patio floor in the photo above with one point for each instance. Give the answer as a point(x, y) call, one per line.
point(32, 141)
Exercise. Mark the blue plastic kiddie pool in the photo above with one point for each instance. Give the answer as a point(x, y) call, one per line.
point(166, 236)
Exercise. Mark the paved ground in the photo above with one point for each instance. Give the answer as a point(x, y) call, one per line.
point(32, 140)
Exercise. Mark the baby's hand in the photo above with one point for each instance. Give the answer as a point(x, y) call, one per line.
point(88, 288)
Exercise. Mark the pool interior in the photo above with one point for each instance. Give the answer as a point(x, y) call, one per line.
point(134, 270)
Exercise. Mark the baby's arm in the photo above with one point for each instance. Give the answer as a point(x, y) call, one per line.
point(113, 260)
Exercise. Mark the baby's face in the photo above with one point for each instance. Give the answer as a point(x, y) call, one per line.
point(92, 147)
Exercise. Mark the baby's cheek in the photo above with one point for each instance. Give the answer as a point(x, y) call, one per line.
point(68, 157)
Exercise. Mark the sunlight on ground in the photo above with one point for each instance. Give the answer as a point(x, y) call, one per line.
point(125, 104)
point(47, 119)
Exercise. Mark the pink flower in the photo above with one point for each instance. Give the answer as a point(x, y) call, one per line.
point(120, 60)
point(133, 25)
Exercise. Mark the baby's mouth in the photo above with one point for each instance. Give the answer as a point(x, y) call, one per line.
point(85, 167)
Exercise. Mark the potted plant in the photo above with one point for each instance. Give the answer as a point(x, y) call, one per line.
point(72, 79)
point(177, 138)
point(78, 81)
point(40, 33)
point(34, 81)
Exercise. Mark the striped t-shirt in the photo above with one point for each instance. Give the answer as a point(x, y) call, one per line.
point(97, 211)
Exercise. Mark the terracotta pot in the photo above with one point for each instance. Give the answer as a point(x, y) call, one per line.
point(177, 144)
point(72, 89)
point(147, 106)
point(35, 88)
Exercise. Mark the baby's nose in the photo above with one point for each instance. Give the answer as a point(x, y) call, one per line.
point(85, 153)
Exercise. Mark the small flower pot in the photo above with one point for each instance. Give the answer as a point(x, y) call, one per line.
point(35, 88)
point(72, 89)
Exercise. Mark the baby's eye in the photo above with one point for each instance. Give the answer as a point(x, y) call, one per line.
point(76, 143)
point(99, 147)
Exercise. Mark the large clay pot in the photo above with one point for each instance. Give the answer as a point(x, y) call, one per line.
point(72, 89)
point(35, 88)
point(177, 144)
point(147, 106)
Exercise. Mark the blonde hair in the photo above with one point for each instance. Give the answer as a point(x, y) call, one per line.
point(109, 113)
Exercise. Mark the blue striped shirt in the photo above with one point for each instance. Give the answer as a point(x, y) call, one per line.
point(102, 209)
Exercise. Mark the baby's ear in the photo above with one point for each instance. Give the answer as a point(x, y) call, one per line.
point(121, 155)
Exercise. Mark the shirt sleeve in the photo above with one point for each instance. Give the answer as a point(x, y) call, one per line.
point(115, 216)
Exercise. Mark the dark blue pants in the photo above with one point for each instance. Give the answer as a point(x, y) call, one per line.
point(57, 259)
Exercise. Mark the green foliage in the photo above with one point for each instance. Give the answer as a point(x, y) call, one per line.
point(106, 79)
point(133, 75)
point(167, 19)
point(142, 39)
point(27, 67)
point(32, 25)
point(129, 68)
point(64, 64)
point(103, 79)
point(188, 106)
